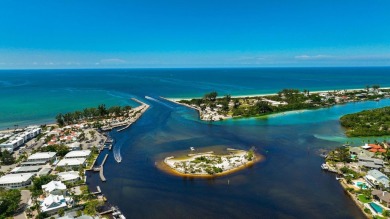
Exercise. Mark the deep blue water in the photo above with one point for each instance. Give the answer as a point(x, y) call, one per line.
point(288, 184)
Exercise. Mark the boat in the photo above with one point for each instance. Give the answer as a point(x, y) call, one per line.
point(324, 166)
point(339, 178)
point(192, 148)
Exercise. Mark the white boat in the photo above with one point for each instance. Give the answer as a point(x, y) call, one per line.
point(192, 148)
point(324, 166)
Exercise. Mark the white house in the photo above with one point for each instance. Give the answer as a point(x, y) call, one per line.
point(70, 176)
point(78, 154)
point(16, 180)
point(375, 178)
point(52, 203)
point(42, 156)
point(71, 162)
point(74, 146)
point(54, 188)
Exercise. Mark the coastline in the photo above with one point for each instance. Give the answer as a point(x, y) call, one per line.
point(175, 99)
point(171, 171)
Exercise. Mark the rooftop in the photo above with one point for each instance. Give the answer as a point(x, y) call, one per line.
point(54, 185)
point(15, 178)
point(71, 162)
point(41, 155)
point(82, 153)
point(26, 169)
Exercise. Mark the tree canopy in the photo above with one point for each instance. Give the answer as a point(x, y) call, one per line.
point(374, 122)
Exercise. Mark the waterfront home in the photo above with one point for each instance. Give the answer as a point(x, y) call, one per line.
point(42, 156)
point(70, 176)
point(54, 188)
point(78, 154)
point(371, 163)
point(12, 181)
point(376, 178)
point(71, 162)
point(381, 196)
point(52, 203)
point(360, 151)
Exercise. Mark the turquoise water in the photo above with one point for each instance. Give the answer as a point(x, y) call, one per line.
point(31, 96)
point(378, 209)
point(289, 142)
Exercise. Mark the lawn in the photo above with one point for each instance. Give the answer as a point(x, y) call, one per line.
point(363, 198)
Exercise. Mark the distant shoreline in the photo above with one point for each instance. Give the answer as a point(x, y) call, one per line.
point(175, 99)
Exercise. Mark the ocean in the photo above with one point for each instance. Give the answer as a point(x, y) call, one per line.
point(289, 183)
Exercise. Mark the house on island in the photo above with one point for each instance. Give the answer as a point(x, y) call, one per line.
point(42, 156)
point(381, 196)
point(360, 151)
point(12, 181)
point(375, 179)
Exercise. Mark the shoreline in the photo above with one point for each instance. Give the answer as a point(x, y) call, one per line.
point(175, 99)
point(163, 166)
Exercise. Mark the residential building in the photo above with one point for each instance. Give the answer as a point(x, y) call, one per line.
point(52, 203)
point(70, 176)
point(42, 156)
point(78, 154)
point(54, 188)
point(371, 163)
point(376, 178)
point(71, 162)
point(382, 196)
point(12, 181)
point(26, 169)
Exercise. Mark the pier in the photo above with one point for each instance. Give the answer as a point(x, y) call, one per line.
point(101, 171)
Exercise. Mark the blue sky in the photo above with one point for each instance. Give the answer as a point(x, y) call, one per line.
point(193, 33)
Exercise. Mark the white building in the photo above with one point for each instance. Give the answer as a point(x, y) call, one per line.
point(42, 156)
point(26, 169)
point(52, 203)
point(74, 146)
point(78, 154)
point(19, 139)
point(71, 162)
point(70, 176)
point(16, 180)
point(54, 188)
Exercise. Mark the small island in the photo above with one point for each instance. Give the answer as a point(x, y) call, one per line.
point(210, 164)
point(374, 122)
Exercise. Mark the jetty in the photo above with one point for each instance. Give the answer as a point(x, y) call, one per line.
point(101, 170)
point(138, 112)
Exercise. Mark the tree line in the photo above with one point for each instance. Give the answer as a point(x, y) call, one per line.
point(374, 122)
point(101, 111)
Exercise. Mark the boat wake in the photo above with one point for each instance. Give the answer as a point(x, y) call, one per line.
point(158, 101)
point(117, 155)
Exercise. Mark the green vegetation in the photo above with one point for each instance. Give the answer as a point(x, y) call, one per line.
point(367, 123)
point(340, 154)
point(91, 113)
point(61, 150)
point(9, 202)
point(90, 207)
point(362, 198)
point(7, 158)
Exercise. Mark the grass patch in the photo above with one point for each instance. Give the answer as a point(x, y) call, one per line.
point(362, 198)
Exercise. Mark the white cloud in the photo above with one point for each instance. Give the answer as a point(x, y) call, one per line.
point(313, 57)
point(114, 61)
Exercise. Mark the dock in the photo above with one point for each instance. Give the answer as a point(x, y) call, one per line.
point(101, 171)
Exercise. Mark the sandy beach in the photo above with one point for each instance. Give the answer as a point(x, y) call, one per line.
point(269, 94)
point(168, 164)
